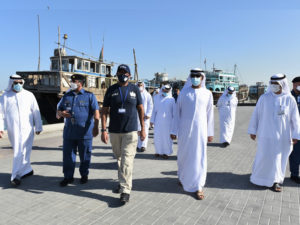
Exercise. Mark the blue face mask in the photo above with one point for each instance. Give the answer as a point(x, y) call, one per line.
point(165, 94)
point(196, 81)
point(17, 87)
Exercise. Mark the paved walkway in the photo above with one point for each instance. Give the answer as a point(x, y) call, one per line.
point(156, 198)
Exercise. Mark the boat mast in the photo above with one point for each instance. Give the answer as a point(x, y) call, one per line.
point(59, 53)
point(39, 61)
point(234, 69)
point(136, 75)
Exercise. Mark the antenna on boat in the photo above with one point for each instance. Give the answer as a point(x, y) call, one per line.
point(39, 61)
point(205, 63)
point(136, 75)
point(59, 53)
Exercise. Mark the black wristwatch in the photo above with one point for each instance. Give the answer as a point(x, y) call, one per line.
point(103, 130)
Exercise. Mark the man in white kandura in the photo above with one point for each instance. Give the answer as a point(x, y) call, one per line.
point(162, 117)
point(194, 126)
point(275, 121)
point(227, 104)
point(20, 113)
point(148, 107)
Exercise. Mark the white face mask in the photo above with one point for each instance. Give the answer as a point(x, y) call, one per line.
point(298, 88)
point(73, 86)
point(141, 89)
point(275, 87)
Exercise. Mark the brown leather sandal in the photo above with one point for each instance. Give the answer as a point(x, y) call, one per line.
point(200, 195)
point(276, 187)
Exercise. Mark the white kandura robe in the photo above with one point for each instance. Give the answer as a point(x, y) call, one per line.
point(148, 107)
point(193, 123)
point(20, 113)
point(274, 137)
point(227, 108)
point(162, 117)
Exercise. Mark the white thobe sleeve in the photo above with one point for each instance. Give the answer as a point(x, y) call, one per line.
point(149, 106)
point(210, 116)
point(253, 125)
point(154, 112)
point(219, 102)
point(1, 115)
point(295, 120)
point(176, 117)
point(36, 115)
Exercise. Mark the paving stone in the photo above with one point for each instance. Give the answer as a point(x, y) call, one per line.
point(156, 198)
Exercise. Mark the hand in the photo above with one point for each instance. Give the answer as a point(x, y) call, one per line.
point(142, 135)
point(295, 141)
point(253, 137)
point(95, 131)
point(104, 137)
point(210, 139)
point(37, 132)
point(1, 134)
point(64, 114)
point(173, 137)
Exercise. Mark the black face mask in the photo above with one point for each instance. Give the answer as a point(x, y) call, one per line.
point(122, 78)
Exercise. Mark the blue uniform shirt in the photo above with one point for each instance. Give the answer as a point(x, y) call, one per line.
point(297, 97)
point(81, 106)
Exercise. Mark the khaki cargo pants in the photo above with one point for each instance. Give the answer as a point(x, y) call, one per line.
point(124, 148)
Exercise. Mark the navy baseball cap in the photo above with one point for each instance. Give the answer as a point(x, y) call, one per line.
point(123, 68)
point(78, 77)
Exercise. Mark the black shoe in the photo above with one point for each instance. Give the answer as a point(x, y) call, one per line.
point(295, 179)
point(143, 149)
point(124, 198)
point(138, 149)
point(27, 174)
point(117, 189)
point(84, 179)
point(225, 144)
point(65, 182)
point(15, 182)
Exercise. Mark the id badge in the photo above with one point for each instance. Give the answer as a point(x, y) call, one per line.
point(122, 111)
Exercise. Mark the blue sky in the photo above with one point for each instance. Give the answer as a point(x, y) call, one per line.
point(261, 36)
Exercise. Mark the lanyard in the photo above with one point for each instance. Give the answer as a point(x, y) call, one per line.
point(123, 100)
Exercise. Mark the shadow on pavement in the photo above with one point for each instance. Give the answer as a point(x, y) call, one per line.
point(215, 145)
point(101, 154)
point(173, 173)
point(289, 183)
point(101, 166)
point(141, 155)
point(38, 184)
point(225, 180)
point(157, 184)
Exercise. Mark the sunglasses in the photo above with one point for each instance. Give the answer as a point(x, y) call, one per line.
point(196, 75)
point(18, 82)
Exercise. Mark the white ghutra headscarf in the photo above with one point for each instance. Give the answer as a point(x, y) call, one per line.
point(188, 83)
point(282, 81)
point(12, 78)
